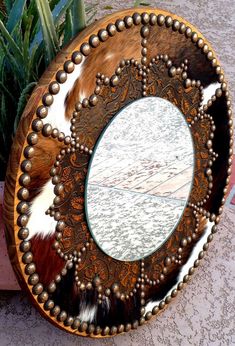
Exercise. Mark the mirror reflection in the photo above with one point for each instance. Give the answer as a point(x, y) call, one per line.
point(139, 179)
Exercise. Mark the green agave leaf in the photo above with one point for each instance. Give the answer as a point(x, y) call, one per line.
point(15, 15)
point(78, 16)
point(26, 54)
point(8, 4)
point(68, 28)
point(22, 102)
point(32, 11)
point(11, 43)
point(53, 3)
point(15, 65)
point(3, 117)
point(59, 11)
point(36, 57)
point(7, 92)
point(2, 15)
point(51, 43)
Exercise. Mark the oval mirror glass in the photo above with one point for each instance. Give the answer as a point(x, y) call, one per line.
point(139, 179)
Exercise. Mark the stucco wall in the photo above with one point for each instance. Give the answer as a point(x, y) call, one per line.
point(203, 313)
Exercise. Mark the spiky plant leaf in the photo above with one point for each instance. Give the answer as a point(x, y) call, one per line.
point(22, 102)
point(8, 5)
point(58, 13)
point(51, 42)
point(11, 43)
point(68, 28)
point(78, 16)
point(15, 15)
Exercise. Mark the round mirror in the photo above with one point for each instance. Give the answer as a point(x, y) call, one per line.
point(139, 179)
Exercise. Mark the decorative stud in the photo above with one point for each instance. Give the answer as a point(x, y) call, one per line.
point(85, 49)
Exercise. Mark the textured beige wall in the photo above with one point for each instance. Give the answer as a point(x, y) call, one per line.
point(203, 313)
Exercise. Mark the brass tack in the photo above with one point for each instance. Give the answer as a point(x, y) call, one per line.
point(24, 179)
point(69, 321)
point(152, 19)
point(55, 133)
point(186, 278)
point(191, 271)
point(85, 49)
point(25, 246)
point(69, 66)
point(51, 287)
point(22, 207)
point(194, 37)
point(168, 21)
point(205, 49)
point(113, 330)
point(76, 323)
point(43, 297)
point(182, 28)
point(32, 138)
point(103, 35)
point(93, 100)
point(37, 125)
point(168, 299)
point(49, 304)
point(144, 31)
point(127, 327)
point(148, 316)
point(136, 18)
point(176, 25)
point(188, 32)
point(111, 28)
point(144, 60)
point(61, 76)
point(28, 152)
point(188, 83)
point(47, 130)
point(155, 310)
point(91, 329)
point(77, 57)
point(209, 55)
point(42, 111)
point(30, 268)
point(83, 326)
point(114, 80)
point(160, 19)
point(180, 286)
point(200, 42)
point(37, 289)
point(62, 316)
point(128, 21)
point(27, 257)
point(172, 71)
point(120, 25)
point(145, 18)
point(55, 311)
point(54, 88)
point(23, 194)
